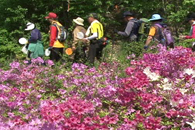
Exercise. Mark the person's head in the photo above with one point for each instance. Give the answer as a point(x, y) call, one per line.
point(30, 26)
point(191, 21)
point(156, 18)
point(128, 15)
point(78, 21)
point(190, 18)
point(92, 17)
point(52, 17)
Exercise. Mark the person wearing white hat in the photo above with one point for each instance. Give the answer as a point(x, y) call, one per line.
point(155, 32)
point(35, 33)
point(78, 28)
point(78, 44)
point(35, 47)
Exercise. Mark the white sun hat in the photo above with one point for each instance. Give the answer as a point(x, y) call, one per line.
point(30, 26)
point(79, 21)
point(24, 50)
point(80, 35)
point(23, 41)
point(47, 52)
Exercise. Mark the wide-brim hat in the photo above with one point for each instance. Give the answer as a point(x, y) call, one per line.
point(79, 21)
point(30, 26)
point(155, 17)
point(23, 41)
point(47, 52)
point(24, 49)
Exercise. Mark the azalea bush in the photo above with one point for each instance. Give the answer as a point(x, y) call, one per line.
point(159, 91)
point(37, 96)
point(156, 93)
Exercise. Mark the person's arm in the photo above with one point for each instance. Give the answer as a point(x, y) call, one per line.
point(94, 36)
point(150, 35)
point(127, 30)
point(53, 35)
point(149, 39)
point(193, 34)
point(75, 38)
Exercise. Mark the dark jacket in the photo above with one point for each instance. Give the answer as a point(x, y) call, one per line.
point(35, 36)
point(131, 30)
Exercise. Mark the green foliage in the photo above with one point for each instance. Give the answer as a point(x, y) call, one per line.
point(15, 14)
point(133, 48)
point(186, 43)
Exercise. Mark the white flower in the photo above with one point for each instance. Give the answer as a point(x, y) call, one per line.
point(183, 91)
point(153, 76)
point(167, 86)
point(191, 124)
point(189, 72)
point(147, 70)
point(173, 103)
point(165, 80)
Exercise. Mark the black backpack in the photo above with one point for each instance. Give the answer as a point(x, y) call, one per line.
point(137, 24)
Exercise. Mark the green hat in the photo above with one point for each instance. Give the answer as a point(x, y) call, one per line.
point(94, 15)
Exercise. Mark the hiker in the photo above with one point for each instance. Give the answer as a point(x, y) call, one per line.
point(55, 45)
point(191, 20)
point(95, 33)
point(131, 31)
point(155, 32)
point(34, 46)
point(79, 47)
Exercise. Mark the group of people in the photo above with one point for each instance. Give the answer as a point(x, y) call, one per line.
point(156, 31)
point(88, 43)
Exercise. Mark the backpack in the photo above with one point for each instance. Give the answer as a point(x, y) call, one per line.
point(144, 27)
point(62, 33)
point(135, 29)
point(166, 35)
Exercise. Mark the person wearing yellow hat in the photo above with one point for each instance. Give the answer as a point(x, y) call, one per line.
point(78, 45)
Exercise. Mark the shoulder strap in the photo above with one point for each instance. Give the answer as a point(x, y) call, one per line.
point(58, 29)
point(160, 30)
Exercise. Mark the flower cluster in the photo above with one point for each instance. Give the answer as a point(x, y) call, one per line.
point(156, 93)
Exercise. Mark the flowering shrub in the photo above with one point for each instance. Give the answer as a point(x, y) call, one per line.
point(30, 92)
point(157, 93)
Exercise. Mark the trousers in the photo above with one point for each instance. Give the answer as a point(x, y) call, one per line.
point(95, 51)
point(56, 54)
